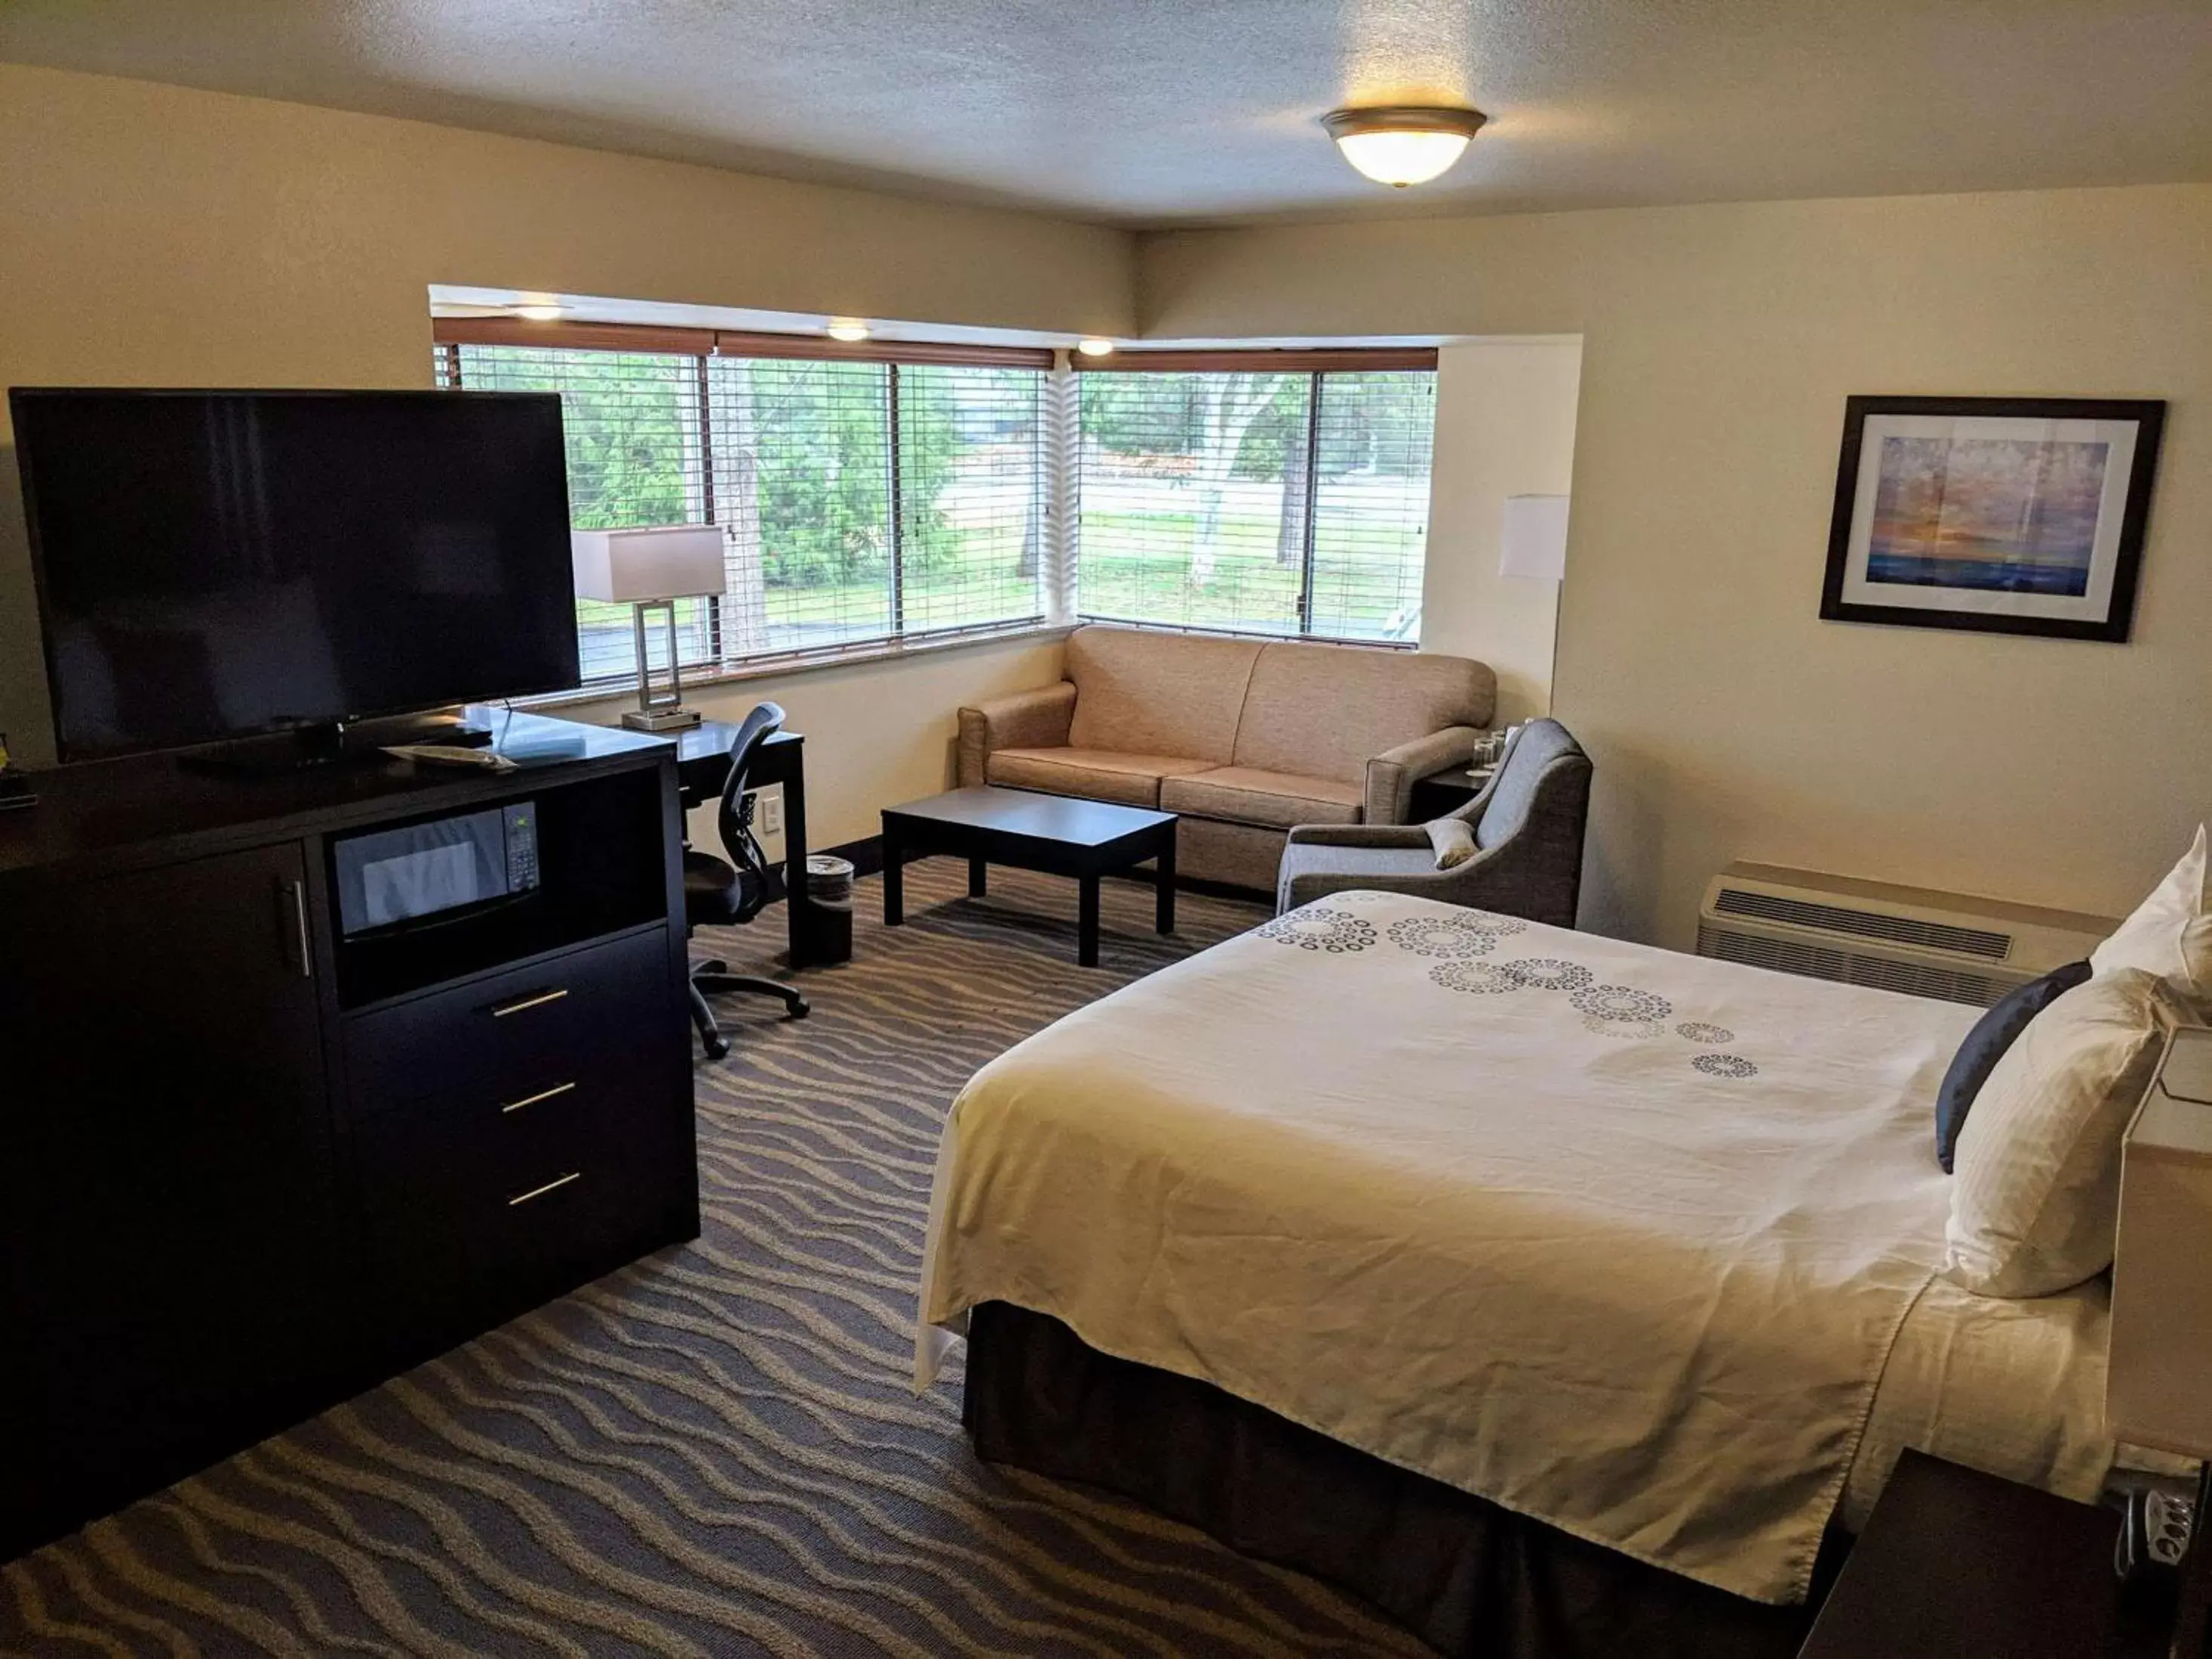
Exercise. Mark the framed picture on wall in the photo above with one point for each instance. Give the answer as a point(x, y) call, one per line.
point(2009, 515)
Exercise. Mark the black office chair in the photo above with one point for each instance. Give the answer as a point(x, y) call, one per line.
point(717, 894)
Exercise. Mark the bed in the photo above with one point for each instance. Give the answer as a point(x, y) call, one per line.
point(1616, 1265)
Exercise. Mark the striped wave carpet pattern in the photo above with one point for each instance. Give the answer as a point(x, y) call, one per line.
point(717, 1450)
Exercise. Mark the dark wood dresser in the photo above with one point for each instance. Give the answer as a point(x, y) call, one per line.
point(252, 1162)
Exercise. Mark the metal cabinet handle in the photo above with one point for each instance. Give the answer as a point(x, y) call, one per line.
point(537, 999)
point(549, 1187)
point(299, 950)
point(543, 1094)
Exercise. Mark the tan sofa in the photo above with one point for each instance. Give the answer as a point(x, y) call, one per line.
point(1244, 739)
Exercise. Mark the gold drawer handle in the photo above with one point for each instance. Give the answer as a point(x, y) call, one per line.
point(549, 1187)
point(537, 1001)
point(543, 1094)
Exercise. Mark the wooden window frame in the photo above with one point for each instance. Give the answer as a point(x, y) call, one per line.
point(1290, 360)
point(728, 343)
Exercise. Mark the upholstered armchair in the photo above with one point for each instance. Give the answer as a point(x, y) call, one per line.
point(1527, 824)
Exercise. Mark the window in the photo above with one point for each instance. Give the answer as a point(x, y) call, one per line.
point(890, 491)
point(1260, 492)
point(861, 499)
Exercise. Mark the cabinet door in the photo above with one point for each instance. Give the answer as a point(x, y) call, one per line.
point(165, 1136)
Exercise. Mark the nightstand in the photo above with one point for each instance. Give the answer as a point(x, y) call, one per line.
point(1958, 1564)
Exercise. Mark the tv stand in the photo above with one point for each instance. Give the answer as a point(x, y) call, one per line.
point(250, 1167)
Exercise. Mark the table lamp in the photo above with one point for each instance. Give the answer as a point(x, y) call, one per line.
point(650, 570)
point(2158, 1378)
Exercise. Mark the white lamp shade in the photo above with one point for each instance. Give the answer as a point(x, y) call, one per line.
point(2155, 1389)
point(1533, 539)
point(1403, 158)
point(636, 567)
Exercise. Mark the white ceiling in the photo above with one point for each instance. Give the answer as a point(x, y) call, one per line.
point(1163, 111)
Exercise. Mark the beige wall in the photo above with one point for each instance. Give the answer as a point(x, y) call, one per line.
point(1718, 346)
point(1505, 425)
point(151, 235)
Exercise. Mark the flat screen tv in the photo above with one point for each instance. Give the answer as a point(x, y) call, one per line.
point(214, 565)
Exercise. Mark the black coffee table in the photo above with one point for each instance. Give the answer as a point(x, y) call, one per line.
point(1053, 834)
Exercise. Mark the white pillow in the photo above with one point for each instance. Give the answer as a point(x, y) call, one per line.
point(2170, 934)
point(1453, 840)
point(2037, 1193)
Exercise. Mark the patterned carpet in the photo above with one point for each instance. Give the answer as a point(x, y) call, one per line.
point(717, 1450)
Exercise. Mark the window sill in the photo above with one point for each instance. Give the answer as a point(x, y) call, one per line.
point(1223, 632)
point(804, 662)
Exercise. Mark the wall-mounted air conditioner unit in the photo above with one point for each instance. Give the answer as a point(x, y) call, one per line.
point(1901, 939)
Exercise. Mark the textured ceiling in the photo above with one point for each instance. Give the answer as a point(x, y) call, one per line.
point(1161, 112)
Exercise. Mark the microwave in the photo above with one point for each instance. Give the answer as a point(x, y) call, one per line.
point(385, 880)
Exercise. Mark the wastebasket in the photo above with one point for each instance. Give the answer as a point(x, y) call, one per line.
point(829, 890)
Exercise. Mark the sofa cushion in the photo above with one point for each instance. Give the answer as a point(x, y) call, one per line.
point(1157, 693)
point(1275, 800)
point(1093, 774)
point(1324, 710)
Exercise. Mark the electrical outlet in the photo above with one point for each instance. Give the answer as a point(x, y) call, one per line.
point(771, 814)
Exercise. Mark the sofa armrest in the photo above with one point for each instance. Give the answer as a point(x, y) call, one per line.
point(1360, 834)
point(1037, 718)
point(1392, 774)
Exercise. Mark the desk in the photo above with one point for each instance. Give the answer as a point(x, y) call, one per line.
point(702, 766)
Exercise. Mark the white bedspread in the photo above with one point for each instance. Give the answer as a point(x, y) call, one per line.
point(1618, 1238)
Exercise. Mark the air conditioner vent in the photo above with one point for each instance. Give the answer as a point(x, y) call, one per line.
point(1865, 923)
point(1789, 957)
point(1911, 940)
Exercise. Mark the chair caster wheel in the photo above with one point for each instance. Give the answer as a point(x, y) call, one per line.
point(716, 966)
point(717, 1047)
point(799, 1007)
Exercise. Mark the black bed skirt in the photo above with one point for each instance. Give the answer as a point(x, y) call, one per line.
point(1467, 1577)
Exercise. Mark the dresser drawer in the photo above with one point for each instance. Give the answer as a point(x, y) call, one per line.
point(514, 1033)
point(478, 1206)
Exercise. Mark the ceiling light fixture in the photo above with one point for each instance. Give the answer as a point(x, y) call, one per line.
point(1402, 144)
point(851, 330)
point(1094, 348)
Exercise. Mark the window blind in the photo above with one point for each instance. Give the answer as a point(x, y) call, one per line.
point(1288, 500)
point(637, 457)
point(803, 486)
point(862, 498)
point(1373, 439)
point(886, 490)
point(972, 493)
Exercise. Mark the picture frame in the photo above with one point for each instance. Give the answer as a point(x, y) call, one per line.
point(2001, 516)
